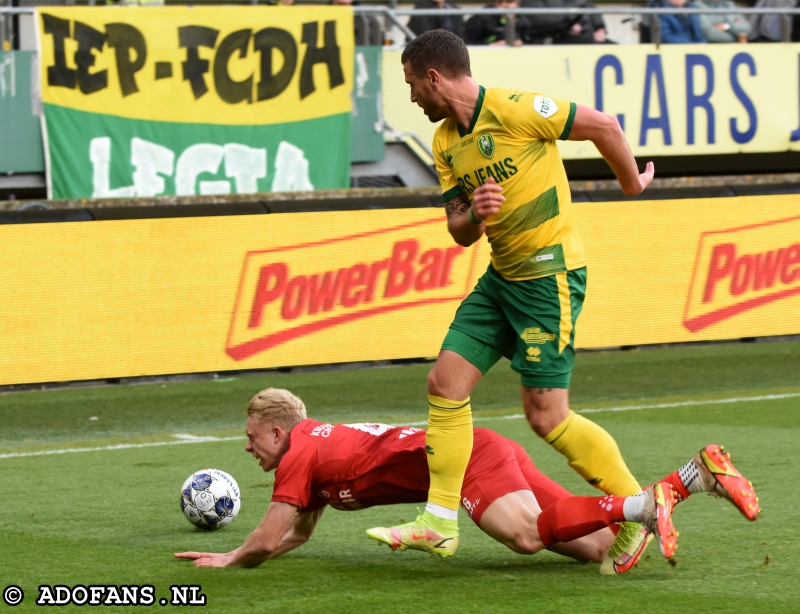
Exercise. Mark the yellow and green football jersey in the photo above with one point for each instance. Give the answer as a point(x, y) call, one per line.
point(512, 138)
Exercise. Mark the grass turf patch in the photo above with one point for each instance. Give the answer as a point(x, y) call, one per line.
point(388, 394)
point(113, 516)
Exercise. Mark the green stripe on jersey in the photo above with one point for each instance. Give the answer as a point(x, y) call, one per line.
point(532, 214)
point(451, 193)
point(568, 126)
point(478, 106)
point(546, 261)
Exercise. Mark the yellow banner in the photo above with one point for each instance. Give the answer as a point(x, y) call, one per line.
point(140, 297)
point(690, 270)
point(240, 65)
point(137, 297)
point(671, 100)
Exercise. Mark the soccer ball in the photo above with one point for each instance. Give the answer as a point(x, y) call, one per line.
point(210, 499)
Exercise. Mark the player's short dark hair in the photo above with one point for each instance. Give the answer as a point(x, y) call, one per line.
point(440, 50)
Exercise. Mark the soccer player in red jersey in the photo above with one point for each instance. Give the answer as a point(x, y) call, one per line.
point(355, 466)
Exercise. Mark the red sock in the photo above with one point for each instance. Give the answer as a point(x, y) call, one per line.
point(573, 517)
point(674, 478)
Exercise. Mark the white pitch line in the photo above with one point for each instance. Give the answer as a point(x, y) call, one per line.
point(766, 397)
point(183, 438)
point(195, 438)
point(120, 446)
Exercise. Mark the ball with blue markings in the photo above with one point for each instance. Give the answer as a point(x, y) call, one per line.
point(210, 499)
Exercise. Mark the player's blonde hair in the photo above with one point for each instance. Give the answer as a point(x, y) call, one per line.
point(277, 407)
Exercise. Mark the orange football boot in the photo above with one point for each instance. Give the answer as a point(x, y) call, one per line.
point(657, 517)
point(722, 479)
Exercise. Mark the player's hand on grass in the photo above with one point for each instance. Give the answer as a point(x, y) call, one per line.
point(207, 559)
point(487, 199)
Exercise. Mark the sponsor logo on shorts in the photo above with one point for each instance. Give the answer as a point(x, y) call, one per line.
point(544, 257)
point(533, 354)
point(290, 292)
point(545, 106)
point(535, 335)
point(741, 269)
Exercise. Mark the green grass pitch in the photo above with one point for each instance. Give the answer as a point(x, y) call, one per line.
point(112, 516)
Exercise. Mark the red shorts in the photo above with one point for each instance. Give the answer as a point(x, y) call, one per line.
point(499, 466)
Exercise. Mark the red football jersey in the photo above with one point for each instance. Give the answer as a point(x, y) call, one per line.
point(352, 466)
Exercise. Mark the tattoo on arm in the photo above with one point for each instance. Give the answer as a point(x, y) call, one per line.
point(457, 206)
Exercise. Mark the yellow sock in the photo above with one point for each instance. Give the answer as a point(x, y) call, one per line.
point(449, 445)
point(594, 454)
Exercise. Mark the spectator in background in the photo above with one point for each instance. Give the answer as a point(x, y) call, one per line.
point(769, 28)
point(543, 27)
point(588, 29)
point(679, 28)
point(367, 28)
point(451, 23)
point(727, 28)
point(565, 29)
point(491, 29)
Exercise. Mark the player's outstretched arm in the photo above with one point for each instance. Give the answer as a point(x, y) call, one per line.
point(465, 221)
point(258, 546)
point(299, 532)
point(605, 132)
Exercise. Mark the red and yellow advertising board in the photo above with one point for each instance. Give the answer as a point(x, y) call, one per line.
point(143, 297)
point(690, 270)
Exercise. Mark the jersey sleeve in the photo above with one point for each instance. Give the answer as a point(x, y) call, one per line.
point(294, 474)
point(314, 503)
point(447, 180)
point(545, 118)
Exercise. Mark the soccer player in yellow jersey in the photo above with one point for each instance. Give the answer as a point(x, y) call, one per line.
point(501, 175)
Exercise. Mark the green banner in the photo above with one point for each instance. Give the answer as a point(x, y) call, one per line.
point(141, 102)
point(104, 156)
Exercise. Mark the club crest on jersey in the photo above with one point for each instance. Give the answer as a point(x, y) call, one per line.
point(486, 144)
